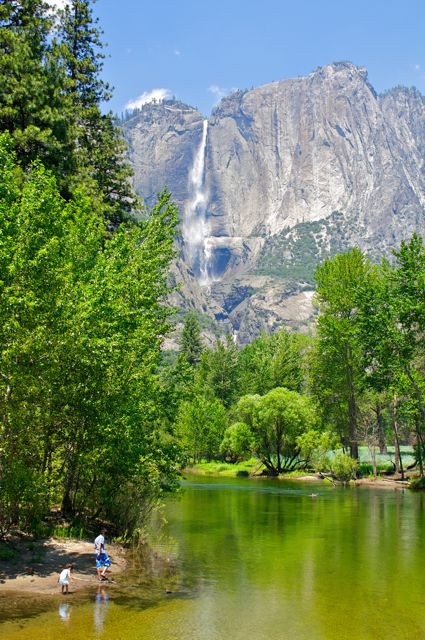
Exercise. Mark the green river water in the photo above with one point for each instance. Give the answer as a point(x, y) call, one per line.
point(259, 560)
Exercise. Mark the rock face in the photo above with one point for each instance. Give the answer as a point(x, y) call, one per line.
point(292, 172)
point(162, 140)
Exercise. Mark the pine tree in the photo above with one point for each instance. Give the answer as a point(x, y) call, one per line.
point(191, 341)
point(33, 107)
point(50, 97)
point(99, 147)
point(220, 371)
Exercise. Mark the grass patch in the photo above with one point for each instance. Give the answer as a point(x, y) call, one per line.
point(385, 459)
point(67, 532)
point(366, 469)
point(238, 470)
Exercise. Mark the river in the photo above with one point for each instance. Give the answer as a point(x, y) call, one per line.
point(263, 560)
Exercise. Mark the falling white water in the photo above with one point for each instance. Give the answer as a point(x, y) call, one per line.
point(195, 226)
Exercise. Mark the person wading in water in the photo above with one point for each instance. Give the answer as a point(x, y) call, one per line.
point(102, 559)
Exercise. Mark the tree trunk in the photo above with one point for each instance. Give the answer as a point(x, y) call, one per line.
point(354, 450)
point(66, 508)
point(397, 451)
point(419, 444)
point(381, 433)
point(373, 455)
point(278, 445)
point(352, 408)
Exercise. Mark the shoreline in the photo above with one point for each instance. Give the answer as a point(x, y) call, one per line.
point(34, 569)
point(379, 482)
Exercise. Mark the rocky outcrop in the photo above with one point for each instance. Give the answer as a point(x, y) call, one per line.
point(162, 139)
point(294, 171)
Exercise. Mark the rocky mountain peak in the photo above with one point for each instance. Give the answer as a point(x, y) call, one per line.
point(287, 173)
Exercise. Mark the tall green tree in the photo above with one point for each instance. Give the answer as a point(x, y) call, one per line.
point(272, 361)
point(391, 321)
point(191, 342)
point(99, 148)
point(337, 363)
point(51, 94)
point(81, 325)
point(201, 424)
point(219, 371)
point(33, 105)
point(277, 419)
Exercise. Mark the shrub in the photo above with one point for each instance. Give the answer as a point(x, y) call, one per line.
point(237, 442)
point(418, 484)
point(344, 467)
point(7, 552)
point(315, 448)
point(23, 497)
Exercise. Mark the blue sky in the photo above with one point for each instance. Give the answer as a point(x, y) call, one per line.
point(199, 50)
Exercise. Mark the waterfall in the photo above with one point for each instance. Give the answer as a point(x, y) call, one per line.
point(195, 226)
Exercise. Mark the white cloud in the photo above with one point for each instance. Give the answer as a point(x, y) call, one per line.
point(219, 92)
point(177, 52)
point(149, 96)
point(417, 67)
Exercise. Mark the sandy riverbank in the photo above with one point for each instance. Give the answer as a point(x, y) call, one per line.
point(35, 567)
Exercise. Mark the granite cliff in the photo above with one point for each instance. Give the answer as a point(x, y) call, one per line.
point(278, 178)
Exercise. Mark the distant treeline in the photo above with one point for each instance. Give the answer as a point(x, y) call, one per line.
point(291, 399)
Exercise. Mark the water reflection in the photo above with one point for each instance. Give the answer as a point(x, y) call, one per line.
point(264, 560)
point(100, 608)
point(64, 611)
point(315, 566)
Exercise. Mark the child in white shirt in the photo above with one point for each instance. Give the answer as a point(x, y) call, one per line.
point(65, 577)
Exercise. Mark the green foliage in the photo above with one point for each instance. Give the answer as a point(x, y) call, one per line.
point(67, 532)
point(191, 341)
point(366, 469)
point(272, 361)
point(23, 495)
point(7, 552)
point(336, 365)
point(418, 484)
point(153, 478)
point(33, 107)
point(219, 371)
point(315, 448)
point(344, 467)
point(81, 325)
point(200, 425)
point(243, 468)
point(50, 96)
point(277, 419)
point(392, 323)
point(237, 442)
